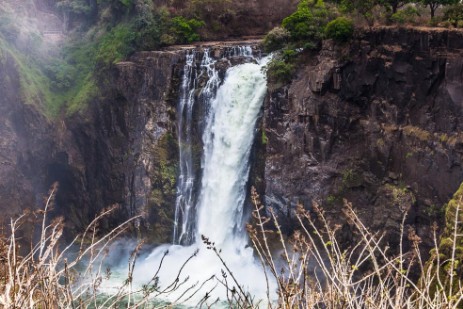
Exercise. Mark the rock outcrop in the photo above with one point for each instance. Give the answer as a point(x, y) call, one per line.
point(377, 121)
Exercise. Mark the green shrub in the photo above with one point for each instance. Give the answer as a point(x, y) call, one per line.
point(341, 29)
point(61, 75)
point(116, 44)
point(454, 14)
point(264, 138)
point(185, 30)
point(280, 71)
point(364, 8)
point(406, 16)
point(277, 38)
point(308, 21)
point(288, 54)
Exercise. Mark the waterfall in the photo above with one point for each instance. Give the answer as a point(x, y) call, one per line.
point(185, 189)
point(184, 221)
point(232, 107)
point(228, 138)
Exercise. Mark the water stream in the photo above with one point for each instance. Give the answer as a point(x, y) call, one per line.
point(216, 212)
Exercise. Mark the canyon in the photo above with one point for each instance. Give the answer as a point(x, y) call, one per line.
point(375, 121)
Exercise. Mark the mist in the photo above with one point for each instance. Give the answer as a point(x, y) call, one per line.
point(31, 28)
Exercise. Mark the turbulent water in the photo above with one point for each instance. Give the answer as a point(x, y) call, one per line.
point(217, 211)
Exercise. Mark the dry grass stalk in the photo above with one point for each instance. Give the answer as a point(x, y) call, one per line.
point(313, 270)
point(364, 275)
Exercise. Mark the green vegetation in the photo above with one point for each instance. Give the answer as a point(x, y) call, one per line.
point(186, 30)
point(363, 8)
point(264, 139)
point(104, 32)
point(308, 21)
point(434, 4)
point(394, 5)
point(340, 29)
point(405, 16)
point(454, 14)
point(35, 86)
point(101, 33)
point(116, 45)
point(447, 257)
point(277, 38)
point(280, 71)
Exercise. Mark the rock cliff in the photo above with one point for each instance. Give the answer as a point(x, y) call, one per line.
point(24, 144)
point(121, 150)
point(377, 121)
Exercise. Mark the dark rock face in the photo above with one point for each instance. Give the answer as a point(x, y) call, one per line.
point(377, 122)
point(25, 145)
point(128, 145)
point(122, 150)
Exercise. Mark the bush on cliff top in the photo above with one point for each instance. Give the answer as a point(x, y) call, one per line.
point(280, 71)
point(406, 16)
point(185, 30)
point(308, 21)
point(454, 14)
point(340, 29)
point(277, 38)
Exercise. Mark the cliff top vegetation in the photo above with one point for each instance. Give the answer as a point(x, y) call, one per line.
point(315, 20)
point(64, 48)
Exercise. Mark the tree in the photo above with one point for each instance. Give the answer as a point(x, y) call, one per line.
point(308, 21)
point(394, 5)
point(362, 7)
point(340, 29)
point(454, 14)
point(434, 4)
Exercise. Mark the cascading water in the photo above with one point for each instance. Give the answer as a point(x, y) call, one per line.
point(184, 225)
point(228, 139)
point(232, 110)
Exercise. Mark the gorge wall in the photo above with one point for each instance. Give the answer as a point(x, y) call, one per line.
point(121, 150)
point(377, 121)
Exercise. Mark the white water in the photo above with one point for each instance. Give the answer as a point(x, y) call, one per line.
point(227, 137)
point(185, 184)
point(185, 220)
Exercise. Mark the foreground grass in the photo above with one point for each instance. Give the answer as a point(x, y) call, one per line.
point(313, 271)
